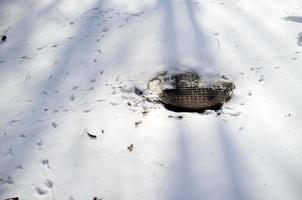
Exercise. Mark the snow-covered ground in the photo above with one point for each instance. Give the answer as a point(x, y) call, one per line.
point(67, 68)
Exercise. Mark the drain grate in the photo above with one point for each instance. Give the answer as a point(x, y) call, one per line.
point(188, 91)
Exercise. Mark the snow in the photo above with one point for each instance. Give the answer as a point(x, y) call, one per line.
point(70, 67)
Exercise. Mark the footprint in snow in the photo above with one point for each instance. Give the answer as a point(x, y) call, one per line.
point(72, 97)
point(75, 87)
point(46, 163)
point(40, 191)
point(12, 122)
point(48, 183)
point(234, 114)
point(261, 78)
point(9, 180)
point(19, 167)
point(127, 89)
point(39, 145)
point(54, 124)
point(114, 103)
point(105, 29)
point(10, 152)
point(87, 111)
point(100, 100)
point(120, 26)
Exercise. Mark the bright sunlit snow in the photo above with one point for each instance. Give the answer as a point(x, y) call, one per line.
point(73, 126)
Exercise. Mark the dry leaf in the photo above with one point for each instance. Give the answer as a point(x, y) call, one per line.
point(130, 148)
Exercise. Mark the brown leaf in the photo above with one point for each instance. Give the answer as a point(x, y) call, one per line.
point(138, 123)
point(130, 148)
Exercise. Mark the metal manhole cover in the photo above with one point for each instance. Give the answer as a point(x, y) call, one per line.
point(189, 91)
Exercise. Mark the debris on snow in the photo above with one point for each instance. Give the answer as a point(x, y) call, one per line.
point(130, 148)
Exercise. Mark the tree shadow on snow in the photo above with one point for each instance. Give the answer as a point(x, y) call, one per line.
point(171, 36)
point(181, 182)
point(34, 112)
point(195, 175)
point(299, 39)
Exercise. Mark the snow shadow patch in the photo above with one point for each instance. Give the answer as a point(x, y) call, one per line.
point(297, 19)
point(299, 39)
point(215, 108)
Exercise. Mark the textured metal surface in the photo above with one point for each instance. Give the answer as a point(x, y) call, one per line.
point(189, 92)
